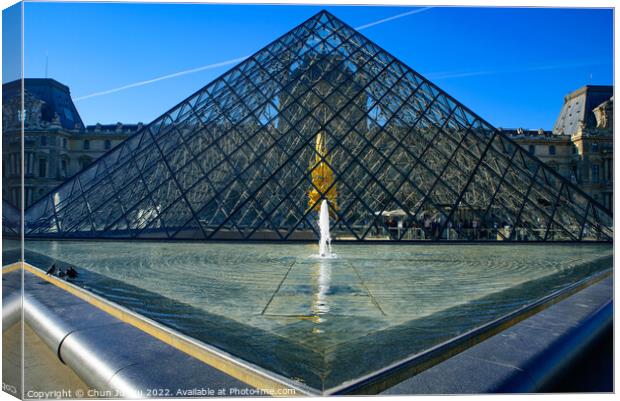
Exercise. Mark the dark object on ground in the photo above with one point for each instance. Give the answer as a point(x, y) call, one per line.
point(71, 272)
point(61, 273)
point(51, 270)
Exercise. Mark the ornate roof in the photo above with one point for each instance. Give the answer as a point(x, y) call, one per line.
point(578, 109)
point(57, 103)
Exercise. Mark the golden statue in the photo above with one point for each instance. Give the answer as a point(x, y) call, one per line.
point(322, 177)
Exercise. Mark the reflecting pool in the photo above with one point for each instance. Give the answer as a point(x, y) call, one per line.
point(322, 321)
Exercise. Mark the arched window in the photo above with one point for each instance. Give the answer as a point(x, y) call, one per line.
point(552, 149)
point(107, 144)
point(86, 144)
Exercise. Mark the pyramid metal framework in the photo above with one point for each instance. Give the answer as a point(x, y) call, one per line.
point(236, 160)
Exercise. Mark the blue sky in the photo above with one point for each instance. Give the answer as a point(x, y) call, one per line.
point(511, 66)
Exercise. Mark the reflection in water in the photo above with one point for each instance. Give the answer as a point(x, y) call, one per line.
point(321, 277)
point(215, 292)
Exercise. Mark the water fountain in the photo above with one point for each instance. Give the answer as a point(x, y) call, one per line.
point(325, 242)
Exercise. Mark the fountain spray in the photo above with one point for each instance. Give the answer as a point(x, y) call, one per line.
point(325, 242)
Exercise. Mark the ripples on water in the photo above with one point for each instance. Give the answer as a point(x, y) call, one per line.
point(376, 302)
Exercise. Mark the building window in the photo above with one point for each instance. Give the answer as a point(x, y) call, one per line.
point(29, 162)
point(595, 173)
point(42, 168)
point(13, 164)
point(28, 195)
point(84, 162)
point(17, 166)
point(15, 195)
point(594, 147)
point(608, 200)
point(86, 144)
point(107, 144)
point(43, 140)
point(573, 149)
point(63, 168)
point(64, 143)
point(531, 149)
point(552, 150)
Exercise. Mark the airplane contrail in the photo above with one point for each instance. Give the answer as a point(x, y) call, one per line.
point(397, 16)
point(531, 68)
point(228, 62)
point(173, 75)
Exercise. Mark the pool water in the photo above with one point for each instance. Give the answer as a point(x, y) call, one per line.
point(322, 321)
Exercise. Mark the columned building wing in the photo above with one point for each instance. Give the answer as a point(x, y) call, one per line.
point(320, 113)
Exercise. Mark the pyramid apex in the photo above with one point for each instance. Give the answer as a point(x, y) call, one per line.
point(323, 13)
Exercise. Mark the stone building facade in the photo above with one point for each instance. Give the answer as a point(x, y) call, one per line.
point(56, 142)
point(580, 146)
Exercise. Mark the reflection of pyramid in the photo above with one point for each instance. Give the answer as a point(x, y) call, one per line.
point(232, 160)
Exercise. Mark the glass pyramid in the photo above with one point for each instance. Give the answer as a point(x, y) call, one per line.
point(320, 113)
